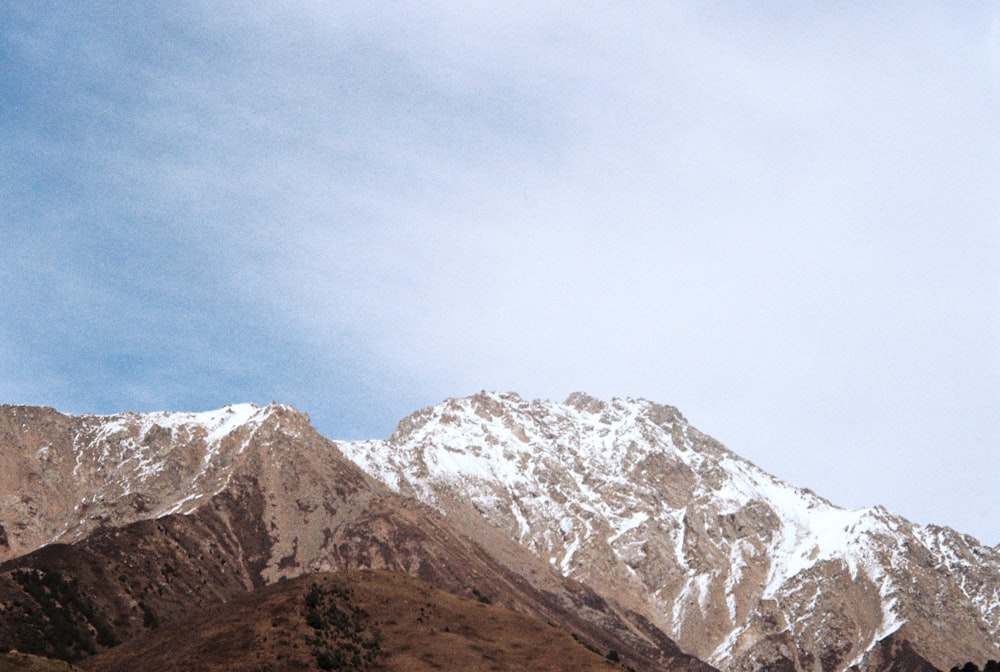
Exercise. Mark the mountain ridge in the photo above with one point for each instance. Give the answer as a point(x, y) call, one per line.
point(635, 492)
point(626, 497)
point(239, 498)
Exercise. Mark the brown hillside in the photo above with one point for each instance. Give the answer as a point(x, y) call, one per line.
point(406, 624)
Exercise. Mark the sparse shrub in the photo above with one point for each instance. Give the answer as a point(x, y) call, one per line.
point(341, 638)
point(149, 619)
point(990, 666)
point(482, 598)
point(586, 644)
point(315, 620)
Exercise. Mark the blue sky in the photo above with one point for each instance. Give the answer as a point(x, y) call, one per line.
point(782, 219)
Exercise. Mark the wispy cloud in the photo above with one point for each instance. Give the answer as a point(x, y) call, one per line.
point(782, 220)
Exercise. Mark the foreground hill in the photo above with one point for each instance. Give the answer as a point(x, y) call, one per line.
point(742, 569)
point(354, 621)
point(116, 526)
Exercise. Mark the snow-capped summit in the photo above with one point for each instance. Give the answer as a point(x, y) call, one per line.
point(91, 470)
point(743, 569)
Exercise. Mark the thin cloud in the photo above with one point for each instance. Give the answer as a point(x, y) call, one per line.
point(783, 222)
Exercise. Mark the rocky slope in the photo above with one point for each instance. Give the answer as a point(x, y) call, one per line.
point(114, 526)
point(742, 569)
point(64, 476)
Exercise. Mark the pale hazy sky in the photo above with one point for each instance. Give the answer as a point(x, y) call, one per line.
point(782, 218)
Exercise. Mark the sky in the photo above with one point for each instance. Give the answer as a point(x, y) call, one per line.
point(781, 218)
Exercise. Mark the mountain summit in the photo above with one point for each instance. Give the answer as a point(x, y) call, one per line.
point(744, 570)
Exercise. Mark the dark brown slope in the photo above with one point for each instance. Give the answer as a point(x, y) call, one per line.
point(289, 504)
point(895, 654)
point(71, 600)
point(359, 621)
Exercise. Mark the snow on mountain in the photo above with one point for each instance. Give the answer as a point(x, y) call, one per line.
point(262, 497)
point(740, 567)
point(131, 437)
point(138, 447)
point(743, 570)
point(73, 473)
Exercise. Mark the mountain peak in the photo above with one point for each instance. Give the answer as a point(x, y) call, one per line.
point(584, 402)
point(183, 509)
point(93, 470)
point(731, 561)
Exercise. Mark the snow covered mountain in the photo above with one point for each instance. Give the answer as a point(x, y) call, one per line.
point(70, 474)
point(664, 528)
point(112, 526)
point(743, 570)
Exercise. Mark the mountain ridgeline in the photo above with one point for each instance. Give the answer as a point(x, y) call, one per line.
point(124, 527)
point(740, 568)
point(535, 535)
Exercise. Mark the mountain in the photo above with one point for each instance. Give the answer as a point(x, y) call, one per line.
point(742, 569)
point(615, 522)
point(114, 527)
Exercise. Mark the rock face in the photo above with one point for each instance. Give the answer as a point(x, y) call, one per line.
point(742, 569)
point(64, 476)
point(117, 525)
